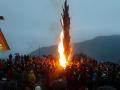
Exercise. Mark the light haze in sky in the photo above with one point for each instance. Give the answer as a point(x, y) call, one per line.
point(29, 24)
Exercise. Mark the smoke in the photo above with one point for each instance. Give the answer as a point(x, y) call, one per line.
point(54, 27)
point(56, 4)
point(57, 7)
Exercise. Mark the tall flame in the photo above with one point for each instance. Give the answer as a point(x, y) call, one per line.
point(62, 59)
point(64, 47)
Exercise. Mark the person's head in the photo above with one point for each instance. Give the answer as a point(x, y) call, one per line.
point(105, 88)
point(38, 88)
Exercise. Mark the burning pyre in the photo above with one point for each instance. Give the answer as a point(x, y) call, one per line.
point(64, 47)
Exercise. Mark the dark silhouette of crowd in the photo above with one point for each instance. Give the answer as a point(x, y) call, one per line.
point(25, 72)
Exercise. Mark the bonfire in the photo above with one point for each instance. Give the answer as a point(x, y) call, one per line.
point(64, 47)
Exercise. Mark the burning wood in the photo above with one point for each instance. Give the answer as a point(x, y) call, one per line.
point(64, 48)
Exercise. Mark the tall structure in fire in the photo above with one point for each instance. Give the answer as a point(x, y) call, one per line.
point(66, 29)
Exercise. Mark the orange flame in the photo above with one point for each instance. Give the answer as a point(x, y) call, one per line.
point(62, 59)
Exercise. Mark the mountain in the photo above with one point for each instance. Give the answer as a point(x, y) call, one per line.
point(105, 48)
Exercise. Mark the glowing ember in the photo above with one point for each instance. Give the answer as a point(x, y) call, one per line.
point(62, 59)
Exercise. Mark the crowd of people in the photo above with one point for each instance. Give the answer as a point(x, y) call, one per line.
point(82, 73)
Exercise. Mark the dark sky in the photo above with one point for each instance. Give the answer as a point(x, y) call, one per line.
point(32, 23)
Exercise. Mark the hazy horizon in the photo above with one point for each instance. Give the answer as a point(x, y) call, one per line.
point(29, 24)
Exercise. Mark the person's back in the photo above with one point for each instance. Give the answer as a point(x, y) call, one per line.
point(105, 88)
point(31, 77)
point(1, 65)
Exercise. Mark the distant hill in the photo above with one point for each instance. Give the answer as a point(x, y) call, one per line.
point(106, 48)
